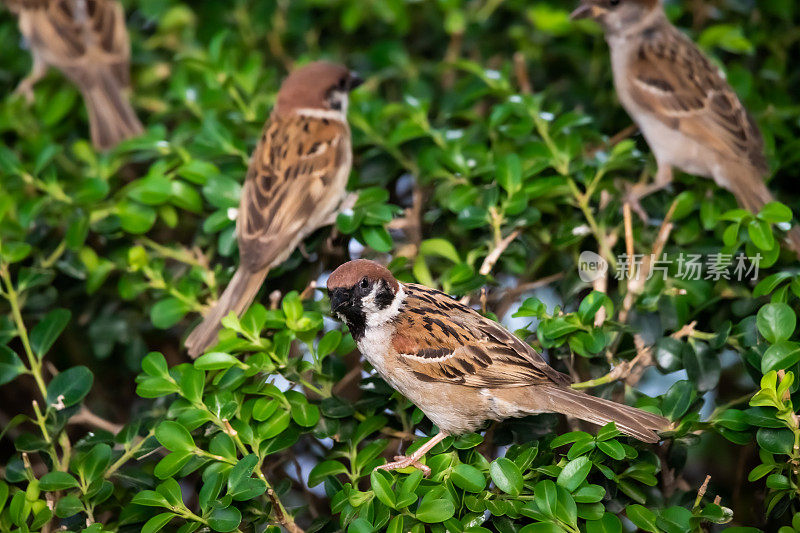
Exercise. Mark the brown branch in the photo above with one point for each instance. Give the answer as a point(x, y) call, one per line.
point(88, 418)
point(494, 255)
point(701, 491)
point(510, 296)
point(614, 140)
point(521, 72)
point(287, 522)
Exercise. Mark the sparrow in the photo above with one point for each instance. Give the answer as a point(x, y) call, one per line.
point(686, 110)
point(460, 368)
point(295, 182)
point(86, 40)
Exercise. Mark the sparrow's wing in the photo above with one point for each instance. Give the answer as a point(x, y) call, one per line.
point(672, 79)
point(294, 176)
point(77, 35)
point(440, 339)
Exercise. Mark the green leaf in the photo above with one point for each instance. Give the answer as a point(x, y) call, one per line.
point(610, 523)
point(775, 212)
point(591, 305)
point(154, 364)
point(329, 342)
point(135, 218)
point(192, 382)
point(546, 494)
point(642, 517)
point(468, 478)
point(434, 511)
point(377, 238)
point(323, 470)
point(776, 322)
point(775, 440)
point(781, 355)
point(70, 386)
point(11, 365)
point(94, 463)
point(174, 436)
point(150, 498)
point(168, 312)
point(441, 248)
point(45, 333)
point(68, 505)
point(574, 472)
point(157, 522)
point(677, 399)
point(225, 519)
point(381, 483)
point(509, 173)
point(57, 481)
point(506, 475)
point(215, 361)
point(171, 491)
point(761, 234)
point(171, 464)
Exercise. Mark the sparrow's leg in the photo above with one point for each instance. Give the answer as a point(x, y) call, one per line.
point(403, 461)
point(38, 71)
point(636, 192)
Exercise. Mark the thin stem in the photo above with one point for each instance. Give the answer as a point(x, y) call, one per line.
point(130, 452)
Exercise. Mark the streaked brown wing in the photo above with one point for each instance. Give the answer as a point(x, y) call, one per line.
point(441, 339)
point(289, 179)
point(679, 85)
point(78, 35)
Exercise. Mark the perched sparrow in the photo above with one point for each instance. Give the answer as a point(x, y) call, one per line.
point(687, 112)
point(86, 40)
point(458, 367)
point(295, 182)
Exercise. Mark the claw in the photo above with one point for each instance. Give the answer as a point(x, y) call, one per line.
point(404, 461)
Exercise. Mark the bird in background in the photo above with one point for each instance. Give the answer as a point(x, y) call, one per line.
point(294, 185)
point(86, 40)
point(460, 368)
point(681, 102)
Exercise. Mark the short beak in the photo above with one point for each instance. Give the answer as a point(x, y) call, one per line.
point(355, 80)
point(586, 10)
point(339, 298)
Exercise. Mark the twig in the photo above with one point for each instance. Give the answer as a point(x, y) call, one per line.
point(521, 72)
point(614, 140)
point(285, 521)
point(494, 255)
point(85, 416)
point(701, 492)
point(510, 296)
point(629, 371)
point(636, 280)
point(411, 225)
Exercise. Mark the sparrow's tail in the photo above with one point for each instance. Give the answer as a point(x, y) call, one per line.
point(748, 186)
point(629, 420)
point(238, 296)
point(111, 117)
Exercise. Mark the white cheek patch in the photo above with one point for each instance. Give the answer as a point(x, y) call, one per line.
point(376, 316)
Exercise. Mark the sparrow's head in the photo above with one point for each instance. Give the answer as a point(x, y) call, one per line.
point(317, 86)
point(363, 293)
point(615, 15)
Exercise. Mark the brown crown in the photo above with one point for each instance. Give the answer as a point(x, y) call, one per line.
point(350, 273)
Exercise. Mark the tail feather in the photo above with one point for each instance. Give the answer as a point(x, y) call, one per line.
point(237, 297)
point(111, 117)
point(629, 420)
point(748, 186)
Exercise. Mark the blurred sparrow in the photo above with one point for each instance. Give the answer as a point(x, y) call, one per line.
point(458, 367)
point(687, 112)
point(294, 184)
point(86, 40)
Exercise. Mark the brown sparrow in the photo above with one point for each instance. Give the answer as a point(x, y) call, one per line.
point(458, 367)
point(86, 40)
point(295, 182)
point(687, 112)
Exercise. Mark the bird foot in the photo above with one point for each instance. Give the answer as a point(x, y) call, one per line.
point(633, 196)
point(404, 461)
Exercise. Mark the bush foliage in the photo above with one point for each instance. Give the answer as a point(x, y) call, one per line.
point(484, 128)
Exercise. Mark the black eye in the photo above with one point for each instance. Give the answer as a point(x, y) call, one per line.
point(364, 284)
point(343, 84)
point(614, 2)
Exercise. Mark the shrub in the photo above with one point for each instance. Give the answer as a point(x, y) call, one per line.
point(485, 157)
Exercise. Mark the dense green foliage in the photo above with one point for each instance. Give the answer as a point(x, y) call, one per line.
point(481, 125)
